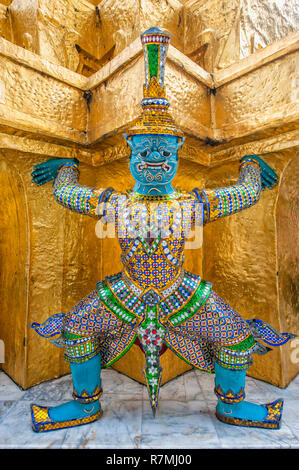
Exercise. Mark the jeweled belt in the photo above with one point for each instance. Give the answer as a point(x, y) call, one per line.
point(165, 292)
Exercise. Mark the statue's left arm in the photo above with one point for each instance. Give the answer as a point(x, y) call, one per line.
point(255, 176)
point(66, 188)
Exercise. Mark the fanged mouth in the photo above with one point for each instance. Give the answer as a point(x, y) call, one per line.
point(154, 166)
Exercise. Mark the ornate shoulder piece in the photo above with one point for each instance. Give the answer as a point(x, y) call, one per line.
point(98, 201)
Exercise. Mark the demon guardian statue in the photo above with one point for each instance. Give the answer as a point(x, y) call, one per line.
point(153, 299)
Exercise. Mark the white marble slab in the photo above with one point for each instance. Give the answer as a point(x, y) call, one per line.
point(5, 407)
point(16, 431)
point(115, 382)
point(185, 417)
point(178, 425)
point(8, 389)
point(53, 390)
point(236, 437)
point(119, 427)
point(291, 414)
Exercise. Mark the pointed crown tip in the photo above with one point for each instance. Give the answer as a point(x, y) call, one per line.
point(155, 30)
point(155, 35)
point(155, 118)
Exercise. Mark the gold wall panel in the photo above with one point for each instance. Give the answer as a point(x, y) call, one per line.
point(188, 177)
point(5, 23)
point(264, 22)
point(54, 29)
point(24, 24)
point(240, 258)
point(119, 24)
point(14, 270)
point(133, 362)
point(220, 33)
point(214, 34)
point(122, 22)
point(287, 221)
point(123, 90)
point(46, 100)
point(262, 103)
point(39, 103)
point(64, 260)
point(168, 15)
point(66, 28)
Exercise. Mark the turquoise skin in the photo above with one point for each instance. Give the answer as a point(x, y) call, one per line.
point(233, 380)
point(153, 164)
point(86, 376)
point(47, 171)
point(269, 178)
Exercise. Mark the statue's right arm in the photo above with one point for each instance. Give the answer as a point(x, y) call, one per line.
point(67, 191)
point(255, 176)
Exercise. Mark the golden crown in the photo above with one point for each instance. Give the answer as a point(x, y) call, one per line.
point(155, 118)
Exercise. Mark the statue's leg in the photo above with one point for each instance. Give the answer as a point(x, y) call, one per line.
point(232, 356)
point(218, 338)
point(232, 408)
point(80, 338)
point(84, 409)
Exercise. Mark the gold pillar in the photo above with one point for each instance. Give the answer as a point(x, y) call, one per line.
point(14, 275)
point(251, 258)
point(50, 259)
point(287, 224)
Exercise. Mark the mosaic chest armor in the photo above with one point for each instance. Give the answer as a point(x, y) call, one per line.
point(151, 232)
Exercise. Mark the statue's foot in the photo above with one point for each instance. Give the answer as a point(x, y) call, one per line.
point(68, 415)
point(249, 414)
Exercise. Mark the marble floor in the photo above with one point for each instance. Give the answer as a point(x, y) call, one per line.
point(185, 418)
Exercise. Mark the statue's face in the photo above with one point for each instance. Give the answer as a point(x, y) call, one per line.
point(154, 158)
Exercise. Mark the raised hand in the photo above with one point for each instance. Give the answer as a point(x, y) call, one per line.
point(47, 171)
point(268, 176)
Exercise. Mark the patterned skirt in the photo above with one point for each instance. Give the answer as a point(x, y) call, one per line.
point(201, 329)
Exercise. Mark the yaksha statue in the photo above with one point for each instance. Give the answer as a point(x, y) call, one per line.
point(153, 300)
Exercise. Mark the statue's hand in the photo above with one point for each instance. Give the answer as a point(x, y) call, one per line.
point(47, 171)
point(268, 176)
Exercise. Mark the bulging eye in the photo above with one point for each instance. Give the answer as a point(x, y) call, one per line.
point(144, 154)
point(165, 153)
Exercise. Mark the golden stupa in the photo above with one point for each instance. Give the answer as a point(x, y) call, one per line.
point(71, 76)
